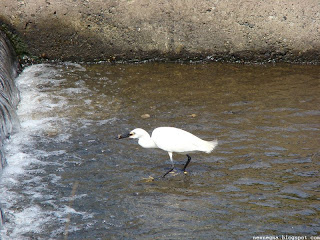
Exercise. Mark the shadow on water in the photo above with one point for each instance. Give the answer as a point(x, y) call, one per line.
point(262, 179)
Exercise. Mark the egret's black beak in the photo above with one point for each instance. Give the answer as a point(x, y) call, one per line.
point(125, 135)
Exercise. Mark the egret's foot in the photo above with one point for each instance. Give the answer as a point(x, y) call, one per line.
point(185, 172)
point(148, 179)
point(172, 171)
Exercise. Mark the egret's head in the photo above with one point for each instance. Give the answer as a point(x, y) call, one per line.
point(136, 133)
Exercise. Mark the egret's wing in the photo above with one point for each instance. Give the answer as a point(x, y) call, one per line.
point(177, 140)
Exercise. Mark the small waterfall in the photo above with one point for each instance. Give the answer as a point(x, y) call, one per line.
point(9, 96)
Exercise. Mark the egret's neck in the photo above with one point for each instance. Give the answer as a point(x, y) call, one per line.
point(147, 142)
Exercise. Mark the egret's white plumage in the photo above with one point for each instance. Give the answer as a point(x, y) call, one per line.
point(177, 140)
point(172, 140)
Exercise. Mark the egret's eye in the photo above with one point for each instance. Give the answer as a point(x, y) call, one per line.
point(131, 134)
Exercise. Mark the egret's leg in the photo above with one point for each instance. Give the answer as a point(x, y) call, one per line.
point(170, 155)
point(185, 166)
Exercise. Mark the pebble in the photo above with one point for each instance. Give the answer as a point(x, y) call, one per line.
point(144, 116)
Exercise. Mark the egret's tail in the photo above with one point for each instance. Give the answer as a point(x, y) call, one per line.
point(210, 145)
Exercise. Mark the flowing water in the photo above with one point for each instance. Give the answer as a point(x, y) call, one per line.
point(69, 178)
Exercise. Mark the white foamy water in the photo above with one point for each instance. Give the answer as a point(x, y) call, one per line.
point(30, 206)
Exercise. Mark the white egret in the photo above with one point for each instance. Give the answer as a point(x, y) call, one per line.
point(172, 140)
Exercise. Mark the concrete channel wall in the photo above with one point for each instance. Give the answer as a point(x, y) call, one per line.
point(87, 30)
point(9, 95)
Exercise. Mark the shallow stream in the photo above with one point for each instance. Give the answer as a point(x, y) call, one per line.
point(68, 177)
